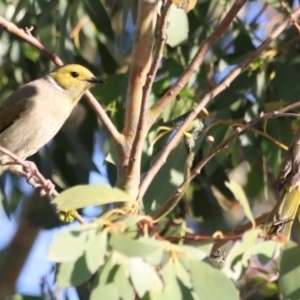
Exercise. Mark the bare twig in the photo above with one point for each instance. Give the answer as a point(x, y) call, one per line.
point(193, 67)
point(240, 230)
point(26, 36)
point(37, 180)
point(284, 6)
point(239, 130)
point(206, 99)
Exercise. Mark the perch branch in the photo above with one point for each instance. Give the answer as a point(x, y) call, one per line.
point(37, 180)
point(26, 36)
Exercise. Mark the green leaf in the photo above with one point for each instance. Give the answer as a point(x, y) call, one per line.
point(73, 273)
point(143, 276)
point(240, 195)
point(70, 243)
point(98, 14)
point(170, 176)
point(171, 285)
point(182, 274)
point(286, 82)
point(132, 220)
point(234, 264)
point(89, 195)
point(95, 253)
point(177, 31)
point(210, 283)
point(131, 247)
point(206, 246)
point(177, 108)
point(265, 252)
point(108, 291)
point(290, 271)
point(122, 283)
point(193, 252)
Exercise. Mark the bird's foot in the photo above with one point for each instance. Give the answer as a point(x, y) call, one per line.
point(47, 189)
point(29, 171)
point(46, 186)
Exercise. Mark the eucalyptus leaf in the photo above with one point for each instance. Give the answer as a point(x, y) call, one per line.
point(210, 283)
point(131, 247)
point(89, 195)
point(70, 243)
point(138, 268)
point(290, 271)
point(95, 253)
point(73, 273)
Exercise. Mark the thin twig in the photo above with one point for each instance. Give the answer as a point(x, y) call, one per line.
point(37, 180)
point(240, 230)
point(284, 6)
point(238, 131)
point(193, 67)
point(206, 99)
point(26, 36)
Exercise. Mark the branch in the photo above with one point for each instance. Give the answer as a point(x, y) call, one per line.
point(238, 131)
point(206, 99)
point(239, 231)
point(11, 28)
point(140, 63)
point(193, 67)
point(137, 146)
point(36, 179)
point(139, 68)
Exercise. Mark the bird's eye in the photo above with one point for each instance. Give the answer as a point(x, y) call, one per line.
point(74, 74)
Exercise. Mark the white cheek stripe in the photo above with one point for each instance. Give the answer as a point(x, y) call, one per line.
point(58, 87)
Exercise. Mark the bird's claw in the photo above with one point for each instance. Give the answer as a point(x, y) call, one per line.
point(47, 189)
point(30, 170)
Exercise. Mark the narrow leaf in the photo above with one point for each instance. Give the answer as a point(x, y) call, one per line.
point(89, 195)
point(143, 276)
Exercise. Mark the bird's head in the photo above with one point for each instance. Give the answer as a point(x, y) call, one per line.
point(74, 80)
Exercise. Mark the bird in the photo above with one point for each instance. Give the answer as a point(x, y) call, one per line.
point(280, 219)
point(32, 115)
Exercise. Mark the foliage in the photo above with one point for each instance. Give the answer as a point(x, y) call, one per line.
point(165, 245)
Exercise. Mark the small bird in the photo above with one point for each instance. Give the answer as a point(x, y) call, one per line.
point(283, 214)
point(34, 113)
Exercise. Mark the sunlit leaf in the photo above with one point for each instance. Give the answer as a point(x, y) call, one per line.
point(70, 243)
point(89, 195)
point(137, 269)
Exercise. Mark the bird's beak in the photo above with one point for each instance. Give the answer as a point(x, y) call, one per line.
point(95, 80)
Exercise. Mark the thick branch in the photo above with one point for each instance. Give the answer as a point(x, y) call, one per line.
point(206, 99)
point(140, 64)
point(139, 68)
point(137, 147)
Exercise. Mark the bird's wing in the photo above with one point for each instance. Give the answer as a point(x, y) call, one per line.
point(16, 105)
